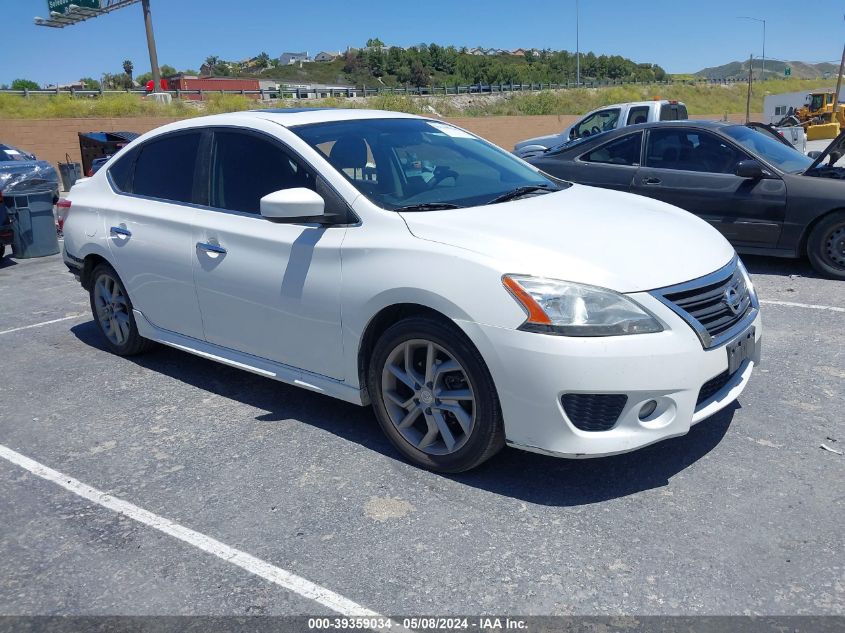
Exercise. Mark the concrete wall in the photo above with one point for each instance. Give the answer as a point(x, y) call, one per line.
point(51, 139)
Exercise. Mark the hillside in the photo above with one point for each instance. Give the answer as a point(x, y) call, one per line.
point(774, 70)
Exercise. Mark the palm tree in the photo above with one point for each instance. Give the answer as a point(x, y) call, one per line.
point(128, 68)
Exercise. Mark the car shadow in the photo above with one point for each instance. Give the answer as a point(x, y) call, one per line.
point(528, 477)
point(7, 262)
point(761, 265)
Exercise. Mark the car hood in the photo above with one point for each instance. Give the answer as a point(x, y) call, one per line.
point(594, 236)
point(543, 141)
point(836, 145)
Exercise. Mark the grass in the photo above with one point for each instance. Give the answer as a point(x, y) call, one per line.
point(700, 99)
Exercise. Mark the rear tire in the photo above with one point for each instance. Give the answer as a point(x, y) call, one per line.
point(826, 246)
point(434, 397)
point(112, 310)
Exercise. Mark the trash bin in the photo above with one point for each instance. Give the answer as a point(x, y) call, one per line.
point(31, 212)
point(101, 144)
point(70, 173)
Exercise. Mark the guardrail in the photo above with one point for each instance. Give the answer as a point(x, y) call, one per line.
point(288, 92)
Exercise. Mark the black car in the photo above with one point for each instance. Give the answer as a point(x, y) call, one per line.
point(764, 196)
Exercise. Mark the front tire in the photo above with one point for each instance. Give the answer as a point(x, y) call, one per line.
point(434, 397)
point(112, 310)
point(826, 246)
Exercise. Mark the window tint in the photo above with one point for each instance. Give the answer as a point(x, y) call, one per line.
point(602, 121)
point(245, 168)
point(165, 168)
point(638, 115)
point(673, 112)
point(691, 150)
point(622, 151)
point(121, 171)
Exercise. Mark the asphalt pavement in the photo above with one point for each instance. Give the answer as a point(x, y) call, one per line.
point(743, 515)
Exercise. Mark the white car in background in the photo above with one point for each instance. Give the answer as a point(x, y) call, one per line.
point(393, 260)
point(603, 120)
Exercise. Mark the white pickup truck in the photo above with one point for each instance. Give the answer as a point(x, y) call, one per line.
point(603, 120)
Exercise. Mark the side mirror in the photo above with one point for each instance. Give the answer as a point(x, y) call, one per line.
point(293, 205)
point(814, 154)
point(749, 169)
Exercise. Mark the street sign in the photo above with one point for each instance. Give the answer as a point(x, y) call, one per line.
point(61, 6)
point(787, 71)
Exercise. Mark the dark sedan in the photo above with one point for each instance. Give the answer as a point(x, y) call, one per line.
point(764, 196)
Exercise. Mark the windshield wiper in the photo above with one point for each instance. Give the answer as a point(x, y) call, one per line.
point(521, 191)
point(429, 206)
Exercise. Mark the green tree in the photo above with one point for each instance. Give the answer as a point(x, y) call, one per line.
point(419, 75)
point(25, 84)
point(374, 42)
point(263, 60)
point(90, 83)
point(128, 68)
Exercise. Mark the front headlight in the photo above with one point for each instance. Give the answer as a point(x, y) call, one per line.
point(570, 309)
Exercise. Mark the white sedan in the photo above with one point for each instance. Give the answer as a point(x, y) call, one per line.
point(399, 261)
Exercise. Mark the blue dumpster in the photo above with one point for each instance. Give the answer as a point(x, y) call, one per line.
point(33, 223)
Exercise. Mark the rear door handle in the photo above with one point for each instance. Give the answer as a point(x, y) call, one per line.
point(211, 248)
point(119, 230)
point(651, 181)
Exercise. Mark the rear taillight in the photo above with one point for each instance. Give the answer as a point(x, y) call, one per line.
point(63, 207)
point(90, 172)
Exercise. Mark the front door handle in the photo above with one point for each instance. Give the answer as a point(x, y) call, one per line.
point(651, 181)
point(211, 248)
point(119, 230)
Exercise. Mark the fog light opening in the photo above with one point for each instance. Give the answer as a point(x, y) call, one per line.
point(648, 409)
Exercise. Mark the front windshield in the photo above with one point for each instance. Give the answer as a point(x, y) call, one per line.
point(408, 163)
point(782, 156)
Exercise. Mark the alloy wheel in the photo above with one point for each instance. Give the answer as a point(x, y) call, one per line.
point(428, 397)
point(112, 309)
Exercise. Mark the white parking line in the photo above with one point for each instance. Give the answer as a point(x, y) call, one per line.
point(253, 565)
point(792, 304)
point(27, 327)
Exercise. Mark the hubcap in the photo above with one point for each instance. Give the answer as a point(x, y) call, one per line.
point(428, 397)
point(835, 244)
point(112, 309)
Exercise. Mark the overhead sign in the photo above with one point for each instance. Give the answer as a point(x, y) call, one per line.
point(62, 6)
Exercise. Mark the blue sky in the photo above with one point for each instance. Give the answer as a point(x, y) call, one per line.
point(680, 35)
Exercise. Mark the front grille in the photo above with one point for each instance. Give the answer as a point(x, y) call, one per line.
point(712, 387)
point(593, 411)
point(713, 305)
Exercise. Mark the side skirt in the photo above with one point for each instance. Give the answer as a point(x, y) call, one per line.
point(254, 364)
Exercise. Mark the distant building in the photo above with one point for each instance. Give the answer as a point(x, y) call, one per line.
point(475, 51)
point(775, 107)
point(519, 52)
point(288, 59)
point(326, 56)
point(212, 84)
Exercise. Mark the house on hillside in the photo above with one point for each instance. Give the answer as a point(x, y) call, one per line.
point(518, 52)
point(475, 51)
point(326, 56)
point(289, 59)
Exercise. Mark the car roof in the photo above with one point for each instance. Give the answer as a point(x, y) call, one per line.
point(290, 117)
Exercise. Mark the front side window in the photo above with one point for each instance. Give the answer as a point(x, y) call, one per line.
point(691, 150)
point(598, 122)
point(621, 151)
point(774, 152)
point(164, 168)
point(399, 163)
point(246, 167)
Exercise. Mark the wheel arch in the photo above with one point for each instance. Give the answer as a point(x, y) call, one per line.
point(89, 263)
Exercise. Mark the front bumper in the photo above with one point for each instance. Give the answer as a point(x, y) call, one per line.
point(533, 371)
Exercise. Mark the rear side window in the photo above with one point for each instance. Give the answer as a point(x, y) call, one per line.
point(638, 115)
point(245, 168)
point(673, 112)
point(622, 151)
point(165, 168)
point(121, 171)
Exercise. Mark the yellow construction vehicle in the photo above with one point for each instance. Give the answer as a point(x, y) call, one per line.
point(822, 117)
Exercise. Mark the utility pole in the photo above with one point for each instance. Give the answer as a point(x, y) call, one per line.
point(763, 22)
point(750, 81)
point(151, 44)
point(838, 83)
point(577, 44)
